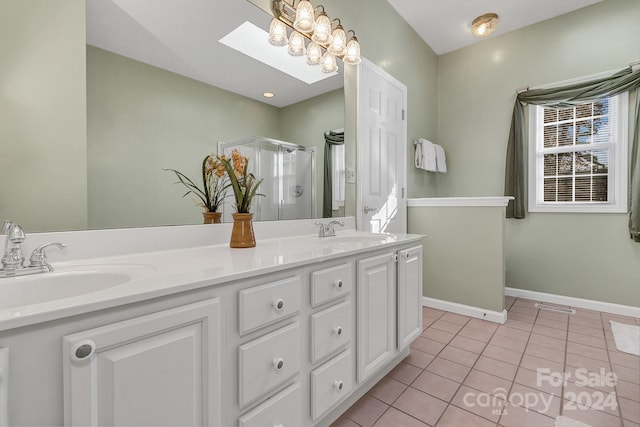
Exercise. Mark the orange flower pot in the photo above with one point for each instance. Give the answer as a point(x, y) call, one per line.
point(242, 233)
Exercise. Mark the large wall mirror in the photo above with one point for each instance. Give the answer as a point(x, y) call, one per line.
point(162, 92)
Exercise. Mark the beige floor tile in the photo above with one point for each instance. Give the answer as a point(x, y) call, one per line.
point(585, 321)
point(456, 417)
point(539, 380)
point(549, 331)
point(590, 416)
point(508, 343)
point(427, 345)
point(588, 351)
point(496, 367)
point(435, 385)
point(418, 358)
point(586, 330)
point(516, 416)
point(550, 323)
point(630, 409)
point(487, 383)
point(448, 369)
point(512, 333)
point(456, 318)
point(468, 344)
point(535, 400)
point(446, 326)
point(344, 421)
point(405, 373)
point(475, 334)
point(625, 359)
point(422, 406)
point(533, 363)
point(459, 355)
point(395, 418)
point(366, 411)
point(546, 341)
point(517, 324)
point(477, 402)
point(625, 373)
point(388, 390)
point(545, 352)
point(437, 335)
point(628, 390)
point(484, 325)
point(503, 354)
point(593, 341)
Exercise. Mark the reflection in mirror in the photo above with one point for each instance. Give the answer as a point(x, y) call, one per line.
point(162, 92)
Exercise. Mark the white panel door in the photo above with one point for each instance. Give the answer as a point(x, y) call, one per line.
point(376, 337)
point(159, 369)
point(382, 151)
point(409, 295)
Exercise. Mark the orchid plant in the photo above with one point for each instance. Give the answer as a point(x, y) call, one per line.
point(244, 185)
point(214, 183)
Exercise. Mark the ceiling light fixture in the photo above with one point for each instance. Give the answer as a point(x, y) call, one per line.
point(301, 16)
point(268, 95)
point(484, 25)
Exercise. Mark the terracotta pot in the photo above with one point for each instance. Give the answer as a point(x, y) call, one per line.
point(212, 217)
point(242, 232)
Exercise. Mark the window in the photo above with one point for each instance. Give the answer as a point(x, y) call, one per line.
point(578, 157)
point(338, 179)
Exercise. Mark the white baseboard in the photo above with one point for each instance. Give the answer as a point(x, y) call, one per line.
point(466, 310)
point(607, 307)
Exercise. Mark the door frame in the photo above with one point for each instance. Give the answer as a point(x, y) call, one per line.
point(361, 130)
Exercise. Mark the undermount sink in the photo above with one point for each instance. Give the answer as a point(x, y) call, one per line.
point(65, 282)
point(360, 238)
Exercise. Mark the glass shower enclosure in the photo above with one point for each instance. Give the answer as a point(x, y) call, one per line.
point(289, 173)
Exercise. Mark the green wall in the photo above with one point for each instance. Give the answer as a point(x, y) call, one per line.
point(581, 255)
point(43, 114)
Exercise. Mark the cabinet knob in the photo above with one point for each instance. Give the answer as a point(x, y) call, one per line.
point(278, 304)
point(394, 257)
point(83, 350)
point(337, 330)
point(339, 284)
point(278, 364)
point(339, 385)
point(407, 255)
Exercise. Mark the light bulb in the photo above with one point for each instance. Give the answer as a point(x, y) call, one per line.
point(329, 64)
point(277, 33)
point(322, 30)
point(304, 17)
point(352, 56)
point(338, 43)
point(296, 44)
point(314, 54)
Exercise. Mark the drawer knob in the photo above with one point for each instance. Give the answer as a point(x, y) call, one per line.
point(339, 385)
point(339, 284)
point(278, 364)
point(407, 255)
point(278, 304)
point(337, 330)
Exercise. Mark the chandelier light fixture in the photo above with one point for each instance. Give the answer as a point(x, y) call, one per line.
point(484, 25)
point(326, 41)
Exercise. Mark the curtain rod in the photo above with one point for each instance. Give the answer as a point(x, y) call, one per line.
point(633, 65)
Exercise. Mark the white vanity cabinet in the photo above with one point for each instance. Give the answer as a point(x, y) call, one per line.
point(389, 307)
point(158, 369)
point(409, 291)
point(282, 346)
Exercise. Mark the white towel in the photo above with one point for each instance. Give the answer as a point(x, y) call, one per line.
point(441, 160)
point(418, 156)
point(428, 155)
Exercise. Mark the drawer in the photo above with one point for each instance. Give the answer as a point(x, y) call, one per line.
point(330, 330)
point(267, 362)
point(283, 409)
point(268, 303)
point(331, 383)
point(330, 283)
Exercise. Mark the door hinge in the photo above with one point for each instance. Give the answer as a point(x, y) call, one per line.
point(402, 114)
point(402, 196)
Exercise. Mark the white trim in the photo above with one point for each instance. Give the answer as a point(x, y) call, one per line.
point(466, 310)
point(460, 201)
point(606, 307)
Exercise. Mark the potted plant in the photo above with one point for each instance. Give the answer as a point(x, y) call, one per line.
point(214, 187)
point(245, 188)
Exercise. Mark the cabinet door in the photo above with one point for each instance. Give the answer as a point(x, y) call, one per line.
point(159, 369)
point(409, 295)
point(376, 313)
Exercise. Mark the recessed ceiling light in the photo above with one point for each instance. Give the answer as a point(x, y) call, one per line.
point(484, 25)
point(249, 40)
point(268, 95)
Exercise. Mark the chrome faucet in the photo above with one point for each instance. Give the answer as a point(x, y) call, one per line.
point(13, 260)
point(327, 230)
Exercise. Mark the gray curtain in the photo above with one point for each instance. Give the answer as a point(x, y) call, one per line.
point(331, 138)
point(566, 96)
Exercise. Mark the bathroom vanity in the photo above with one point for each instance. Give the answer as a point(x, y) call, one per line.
point(289, 333)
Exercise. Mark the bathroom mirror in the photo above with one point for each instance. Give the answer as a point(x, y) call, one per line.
point(162, 92)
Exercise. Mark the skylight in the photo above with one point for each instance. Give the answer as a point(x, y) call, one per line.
point(251, 40)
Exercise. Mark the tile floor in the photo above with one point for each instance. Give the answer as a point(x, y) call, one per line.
point(466, 372)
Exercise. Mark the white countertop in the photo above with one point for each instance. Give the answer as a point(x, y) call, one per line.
point(165, 272)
